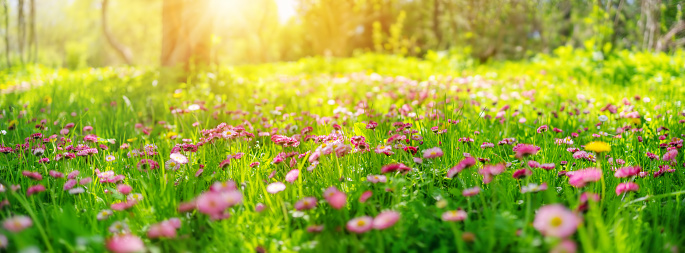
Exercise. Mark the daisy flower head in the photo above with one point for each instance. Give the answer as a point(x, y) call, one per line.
point(523, 150)
point(385, 220)
point(432, 152)
point(179, 158)
point(454, 215)
point(360, 224)
point(556, 220)
point(17, 223)
point(110, 158)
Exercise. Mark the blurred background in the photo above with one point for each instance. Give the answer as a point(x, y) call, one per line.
point(96, 33)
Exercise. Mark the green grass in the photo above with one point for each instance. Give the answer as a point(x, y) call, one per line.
point(113, 100)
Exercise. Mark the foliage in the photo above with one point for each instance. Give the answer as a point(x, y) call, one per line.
point(445, 98)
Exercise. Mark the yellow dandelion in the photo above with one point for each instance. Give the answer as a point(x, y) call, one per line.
point(598, 147)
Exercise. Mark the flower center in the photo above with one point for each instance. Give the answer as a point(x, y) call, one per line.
point(361, 223)
point(555, 222)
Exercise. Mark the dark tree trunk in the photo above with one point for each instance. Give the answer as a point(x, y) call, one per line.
point(186, 33)
point(124, 52)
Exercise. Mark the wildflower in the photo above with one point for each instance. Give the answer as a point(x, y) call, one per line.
point(69, 184)
point(556, 220)
point(315, 228)
point(125, 243)
point(547, 166)
point(179, 158)
point(395, 167)
point(581, 177)
point(565, 246)
point(124, 189)
point(172, 164)
point(35, 189)
point(165, 229)
point(56, 174)
point(276, 187)
point(305, 203)
point(627, 172)
point(532, 187)
point(533, 164)
point(432, 152)
point(542, 129)
point(670, 156)
point(454, 215)
point(487, 145)
point(292, 175)
point(463, 164)
point(104, 214)
point(597, 147)
point(603, 118)
point(523, 150)
point(17, 223)
point(335, 198)
point(259, 207)
point(385, 220)
point(626, 187)
point(110, 158)
point(360, 224)
point(473, 191)
point(522, 173)
point(365, 196)
point(77, 190)
point(211, 203)
point(376, 178)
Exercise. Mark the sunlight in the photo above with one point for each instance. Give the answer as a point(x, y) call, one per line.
point(286, 10)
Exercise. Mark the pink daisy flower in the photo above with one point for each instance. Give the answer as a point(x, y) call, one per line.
point(395, 167)
point(306, 203)
point(17, 223)
point(365, 196)
point(432, 152)
point(35, 189)
point(626, 187)
point(462, 165)
point(125, 243)
point(473, 191)
point(376, 178)
point(335, 198)
point(565, 246)
point(385, 220)
point(581, 177)
point(292, 175)
point(523, 150)
point(670, 155)
point(556, 220)
point(360, 224)
point(454, 215)
point(627, 172)
point(276, 187)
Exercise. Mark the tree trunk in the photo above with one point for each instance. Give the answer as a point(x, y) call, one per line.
point(7, 34)
point(33, 40)
point(124, 52)
point(21, 31)
point(186, 33)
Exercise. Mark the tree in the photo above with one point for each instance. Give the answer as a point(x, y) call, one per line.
point(124, 52)
point(186, 33)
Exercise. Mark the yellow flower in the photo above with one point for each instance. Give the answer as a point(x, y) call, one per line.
point(171, 134)
point(597, 146)
point(132, 139)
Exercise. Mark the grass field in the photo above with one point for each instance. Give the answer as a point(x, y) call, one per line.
point(376, 153)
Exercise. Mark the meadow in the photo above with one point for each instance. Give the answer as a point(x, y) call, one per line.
point(568, 152)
